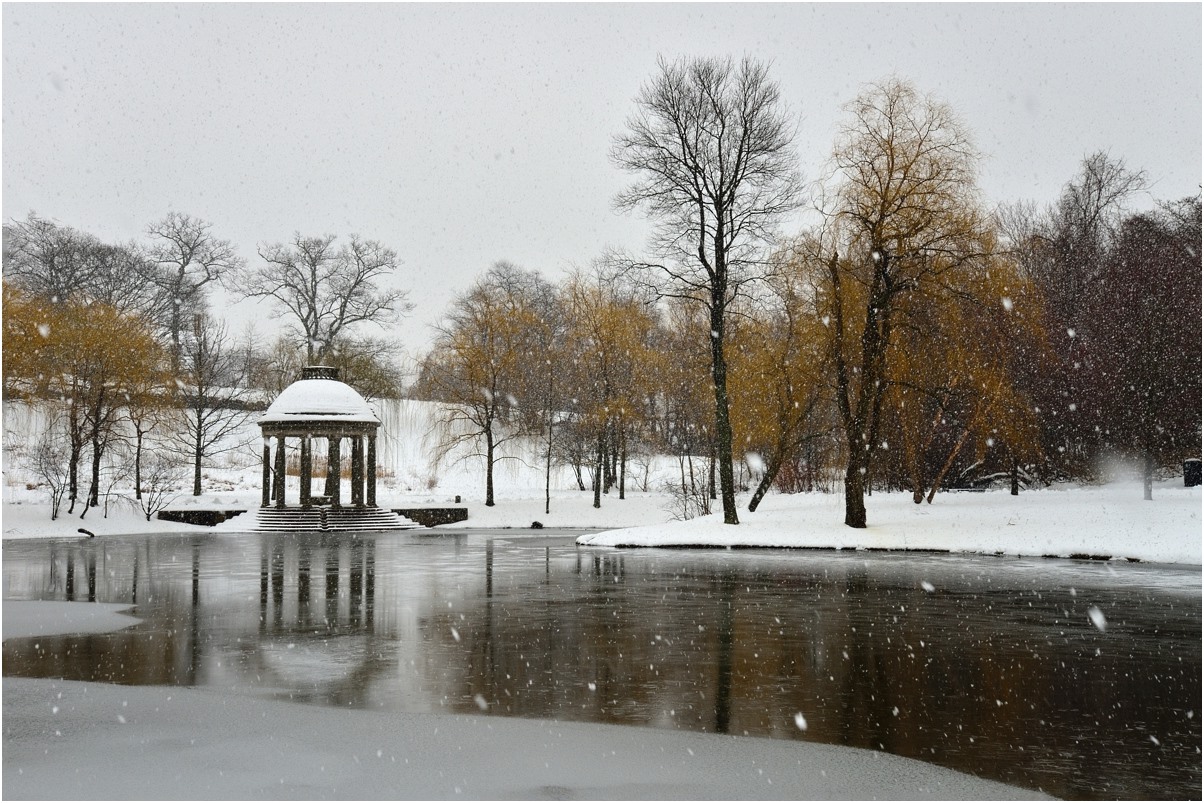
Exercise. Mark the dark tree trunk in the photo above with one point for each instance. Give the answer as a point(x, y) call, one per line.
point(94, 487)
point(601, 467)
point(771, 472)
point(860, 418)
point(138, 462)
point(198, 454)
point(936, 483)
point(711, 474)
point(76, 436)
point(622, 465)
point(489, 465)
point(854, 497)
point(547, 476)
point(723, 423)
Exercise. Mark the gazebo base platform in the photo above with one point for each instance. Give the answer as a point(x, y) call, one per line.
point(328, 519)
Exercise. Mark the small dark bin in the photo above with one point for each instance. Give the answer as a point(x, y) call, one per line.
point(1191, 472)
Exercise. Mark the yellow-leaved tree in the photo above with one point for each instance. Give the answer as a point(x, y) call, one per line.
point(481, 363)
point(614, 365)
point(777, 383)
point(904, 224)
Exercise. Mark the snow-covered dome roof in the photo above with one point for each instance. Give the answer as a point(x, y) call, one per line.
point(319, 399)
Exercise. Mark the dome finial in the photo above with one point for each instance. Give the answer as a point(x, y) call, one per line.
point(320, 372)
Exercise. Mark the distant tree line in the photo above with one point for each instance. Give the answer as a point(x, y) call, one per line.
point(117, 346)
point(910, 338)
point(906, 337)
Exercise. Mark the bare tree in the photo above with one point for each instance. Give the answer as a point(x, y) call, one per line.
point(213, 383)
point(325, 291)
point(160, 484)
point(481, 360)
point(1064, 250)
point(46, 259)
point(1143, 339)
point(711, 147)
point(190, 258)
point(62, 265)
point(50, 461)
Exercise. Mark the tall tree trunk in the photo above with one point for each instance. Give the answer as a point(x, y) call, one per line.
point(76, 436)
point(1147, 478)
point(854, 496)
point(94, 487)
point(489, 465)
point(810, 472)
point(547, 471)
point(1015, 477)
point(723, 422)
point(859, 419)
point(623, 463)
point(137, 462)
point(598, 479)
point(607, 460)
point(198, 453)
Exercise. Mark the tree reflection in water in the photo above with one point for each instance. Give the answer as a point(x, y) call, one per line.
point(989, 666)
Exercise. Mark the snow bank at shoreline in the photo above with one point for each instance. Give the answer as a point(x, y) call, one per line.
point(1102, 521)
point(1094, 522)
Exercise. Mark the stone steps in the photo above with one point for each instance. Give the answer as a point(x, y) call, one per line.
point(324, 519)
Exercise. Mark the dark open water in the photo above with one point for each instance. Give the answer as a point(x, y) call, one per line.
point(1078, 678)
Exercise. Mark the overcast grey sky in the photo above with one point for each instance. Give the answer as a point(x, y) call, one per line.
point(460, 135)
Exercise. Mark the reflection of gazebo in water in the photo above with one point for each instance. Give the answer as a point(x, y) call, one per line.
point(320, 407)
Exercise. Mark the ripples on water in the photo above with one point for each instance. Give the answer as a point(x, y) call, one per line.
point(1077, 678)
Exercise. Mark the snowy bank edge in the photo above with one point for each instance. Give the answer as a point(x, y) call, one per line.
point(1079, 523)
point(117, 732)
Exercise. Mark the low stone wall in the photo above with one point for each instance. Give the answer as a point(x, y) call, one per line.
point(433, 516)
point(426, 516)
point(205, 518)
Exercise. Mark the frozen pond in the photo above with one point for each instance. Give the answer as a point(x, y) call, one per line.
point(1078, 678)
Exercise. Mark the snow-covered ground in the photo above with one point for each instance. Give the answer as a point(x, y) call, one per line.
point(1110, 520)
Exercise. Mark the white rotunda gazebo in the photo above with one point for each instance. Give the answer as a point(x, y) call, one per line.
point(318, 407)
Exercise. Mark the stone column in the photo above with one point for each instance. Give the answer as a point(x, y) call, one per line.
point(357, 470)
point(279, 471)
point(267, 471)
point(307, 471)
point(371, 469)
point(334, 457)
